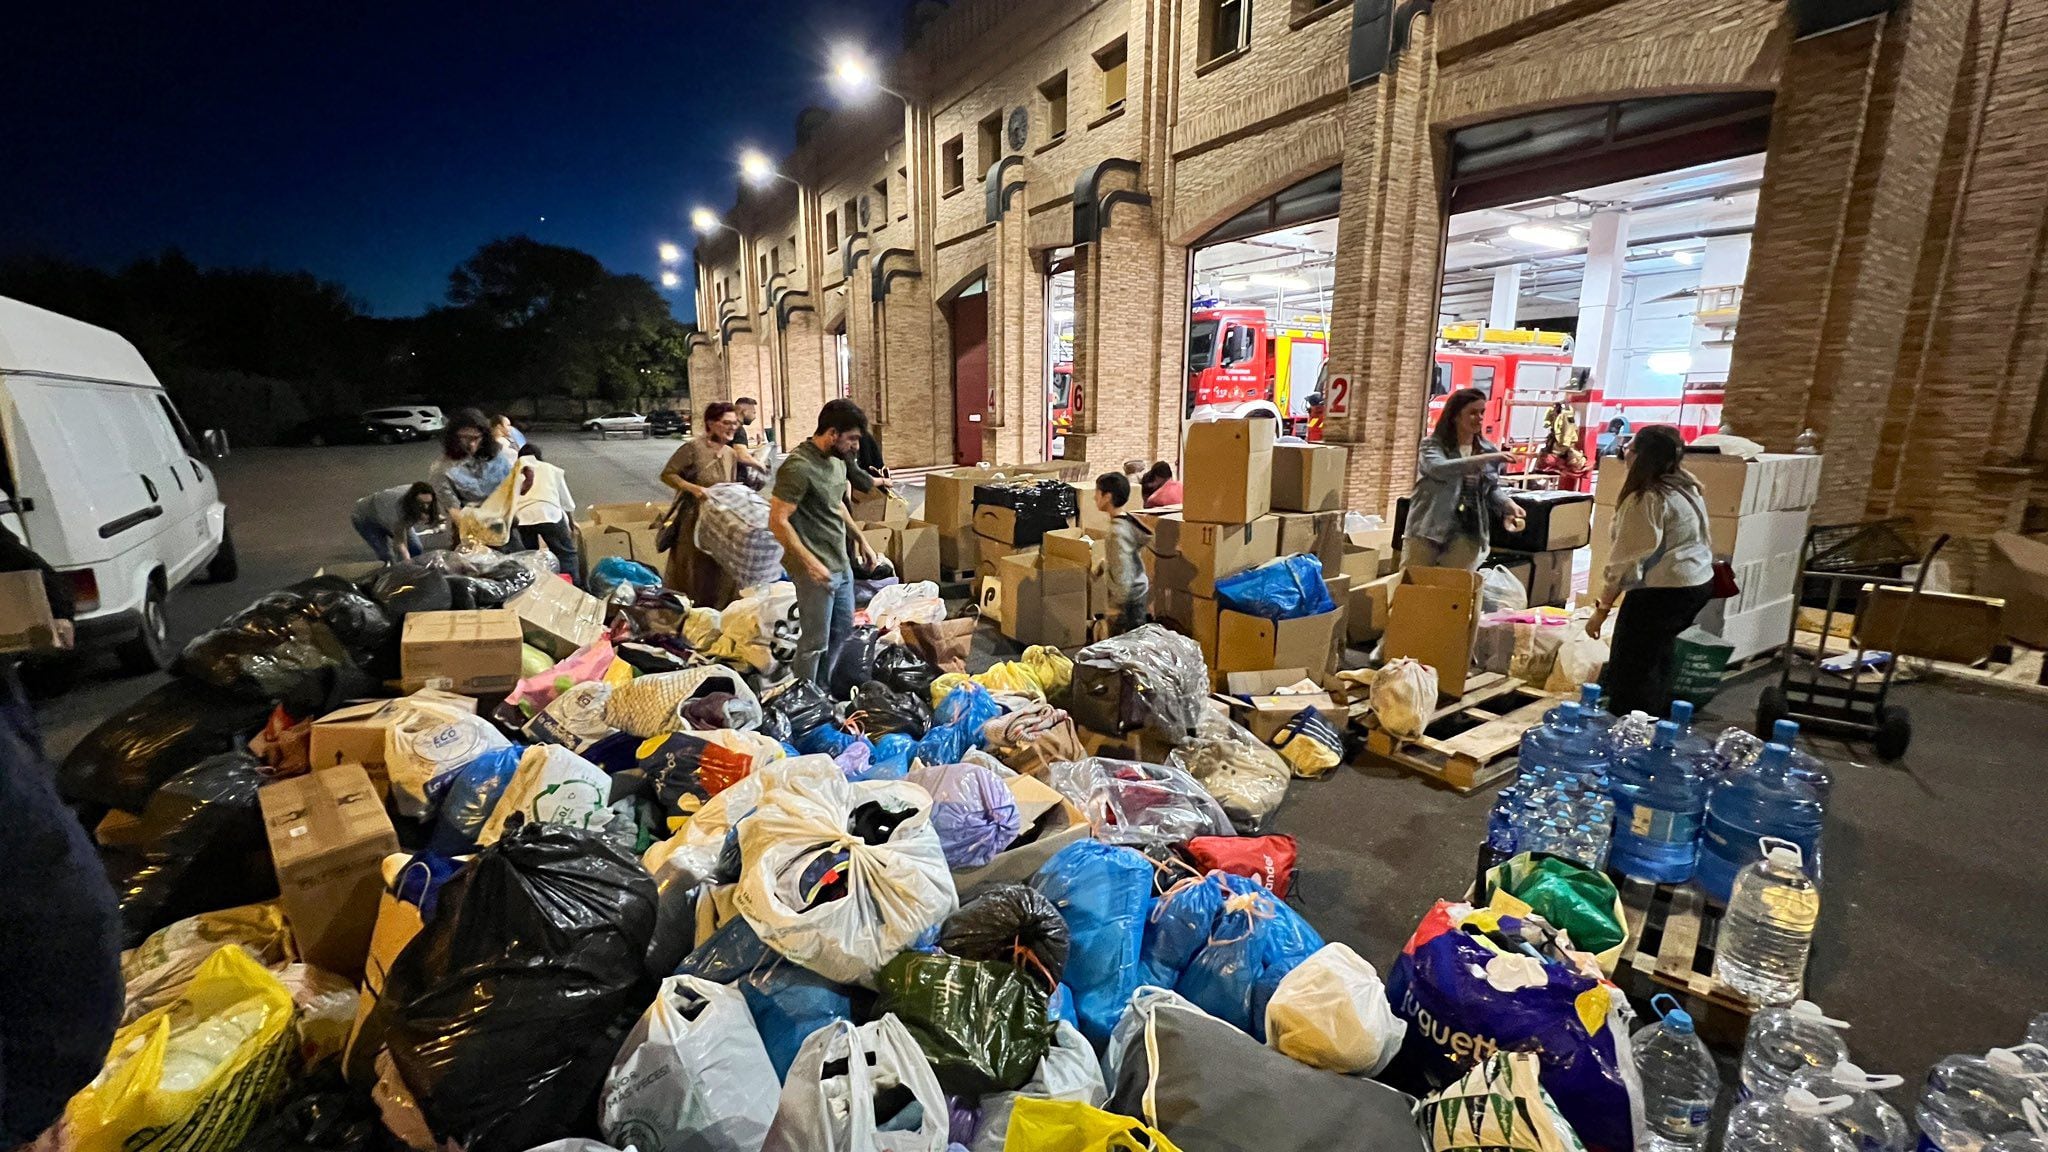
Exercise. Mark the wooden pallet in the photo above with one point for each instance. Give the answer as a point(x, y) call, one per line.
point(1472, 741)
point(1672, 934)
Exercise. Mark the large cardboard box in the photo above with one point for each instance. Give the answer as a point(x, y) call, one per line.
point(356, 733)
point(995, 522)
point(1044, 601)
point(26, 624)
point(879, 507)
point(1079, 546)
point(475, 652)
point(1259, 704)
point(557, 617)
point(1433, 617)
point(2016, 571)
point(914, 549)
point(1229, 471)
point(949, 499)
point(1209, 552)
point(625, 530)
point(878, 538)
point(1084, 495)
point(959, 549)
point(329, 835)
point(1254, 643)
point(1308, 477)
point(1938, 626)
point(1366, 621)
point(1195, 615)
point(1320, 534)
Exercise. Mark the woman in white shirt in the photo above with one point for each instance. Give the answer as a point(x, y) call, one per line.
point(1660, 556)
point(543, 510)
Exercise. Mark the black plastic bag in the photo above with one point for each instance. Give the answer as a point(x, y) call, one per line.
point(202, 848)
point(852, 663)
point(982, 1023)
point(266, 649)
point(356, 620)
point(905, 671)
point(323, 1114)
point(1007, 923)
point(883, 710)
point(1039, 506)
point(505, 1011)
point(122, 761)
point(411, 587)
point(796, 708)
point(490, 586)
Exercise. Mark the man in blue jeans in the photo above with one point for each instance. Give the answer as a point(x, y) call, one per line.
point(807, 512)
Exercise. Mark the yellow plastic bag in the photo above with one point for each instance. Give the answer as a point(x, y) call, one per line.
point(1050, 667)
point(158, 971)
point(1071, 1126)
point(944, 685)
point(193, 1075)
point(1011, 677)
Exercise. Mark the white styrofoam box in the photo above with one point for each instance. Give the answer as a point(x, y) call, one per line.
point(1764, 534)
point(1773, 482)
point(1763, 581)
point(1754, 630)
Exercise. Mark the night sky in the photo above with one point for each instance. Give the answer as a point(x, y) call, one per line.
point(378, 144)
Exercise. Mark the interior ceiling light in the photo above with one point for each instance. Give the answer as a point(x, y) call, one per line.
point(1686, 256)
point(1671, 363)
point(1280, 280)
point(1545, 235)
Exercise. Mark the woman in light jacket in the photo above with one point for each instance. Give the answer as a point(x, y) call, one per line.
point(472, 464)
point(1457, 480)
point(1662, 557)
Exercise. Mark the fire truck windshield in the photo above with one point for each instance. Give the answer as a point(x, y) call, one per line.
point(1201, 344)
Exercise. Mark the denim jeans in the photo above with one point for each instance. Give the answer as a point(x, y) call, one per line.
point(560, 539)
point(378, 537)
point(825, 617)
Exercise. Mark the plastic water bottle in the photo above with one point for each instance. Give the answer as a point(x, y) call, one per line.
point(1679, 1079)
point(1750, 806)
point(1768, 930)
point(1796, 1122)
point(1868, 1120)
point(1712, 764)
point(1803, 766)
point(1969, 1100)
point(1595, 717)
point(1783, 1042)
point(1659, 799)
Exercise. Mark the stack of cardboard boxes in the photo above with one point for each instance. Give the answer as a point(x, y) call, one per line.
point(619, 530)
point(912, 546)
point(1036, 596)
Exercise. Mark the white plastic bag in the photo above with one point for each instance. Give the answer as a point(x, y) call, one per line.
point(426, 745)
point(895, 890)
point(750, 625)
point(1404, 697)
point(552, 785)
point(1580, 658)
point(703, 626)
point(1331, 1012)
point(897, 603)
point(817, 1113)
point(692, 1075)
point(694, 849)
point(1068, 1071)
point(1501, 591)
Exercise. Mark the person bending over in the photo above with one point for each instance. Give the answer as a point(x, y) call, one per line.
point(389, 521)
point(543, 511)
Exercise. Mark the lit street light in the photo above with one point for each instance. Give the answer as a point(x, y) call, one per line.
point(670, 253)
point(704, 220)
point(671, 280)
point(855, 77)
point(756, 167)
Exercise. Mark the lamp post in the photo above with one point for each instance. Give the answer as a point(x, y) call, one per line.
point(855, 77)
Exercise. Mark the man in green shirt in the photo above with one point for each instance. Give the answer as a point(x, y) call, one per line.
point(807, 512)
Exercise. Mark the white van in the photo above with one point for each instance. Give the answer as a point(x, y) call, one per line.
point(101, 477)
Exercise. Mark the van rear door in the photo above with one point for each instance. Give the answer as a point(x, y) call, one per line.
point(96, 447)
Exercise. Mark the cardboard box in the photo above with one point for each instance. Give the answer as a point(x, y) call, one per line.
point(1264, 711)
point(914, 549)
point(1432, 617)
point(1084, 495)
point(1254, 643)
point(625, 530)
point(474, 652)
point(1550, 579)
point(1079, 546)
point(949, 499)
point(1195, 615)
point(1206, 553)
point(1044, 601)
point(1229, 470)
point(995, 522)
point(877, 537)
point(1939, 626)
point(879, 507)
point(1366, 621)
point(1308, 477)
point(356, 733)
point(1320, 534)
point(959, 550)
point(26, 624)
point(2016, 571)
point(1752, 631)
point(329, 835)
point(557, 617)
point(1556, 520)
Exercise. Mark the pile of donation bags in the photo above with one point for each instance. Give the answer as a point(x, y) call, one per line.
point(664, 895)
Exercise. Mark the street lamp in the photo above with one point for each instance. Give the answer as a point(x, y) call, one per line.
point(757, 169)
point(670, 253)
point(705, 221)
point(671, 280)
point(855, 77)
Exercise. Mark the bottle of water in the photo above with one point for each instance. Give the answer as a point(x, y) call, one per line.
point(1679, 1079)
point(1803, 766)
point(1658, 799)
point(1969, 1100)
point(1868, 1120)
point(1590, 711)
point(1712, 764)
point(1768, 930)
point(1750, 806)
point(1795, 1122)
point(1783, 1042)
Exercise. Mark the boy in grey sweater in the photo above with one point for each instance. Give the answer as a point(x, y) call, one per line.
point(1125, 568)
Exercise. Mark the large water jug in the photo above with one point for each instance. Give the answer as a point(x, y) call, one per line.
point(1746, 807)
point(1783, 1042)
point(1659, 798)
point(1679, 1079)
point(1869, 1120)
point(1768, 931)
point(1596, 717)
point(1969, 1100)
point(1711, 763)
point(1803, 766)
point(1795, 1122)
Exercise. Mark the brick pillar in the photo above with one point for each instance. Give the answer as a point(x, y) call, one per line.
point(915, 406)
point(809, 376)
point(1011, 434)
point(707, 374)
point(1131, 409)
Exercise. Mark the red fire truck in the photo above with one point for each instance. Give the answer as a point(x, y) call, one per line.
point(1239, 364)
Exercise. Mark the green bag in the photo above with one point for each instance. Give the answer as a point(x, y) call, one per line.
point(982, 1023)
point(1698, 661)
point(1568, 895)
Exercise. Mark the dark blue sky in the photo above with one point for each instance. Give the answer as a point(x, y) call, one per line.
point(377, 144)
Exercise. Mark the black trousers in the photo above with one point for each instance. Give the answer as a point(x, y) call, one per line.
point(1638, 675)
point(559, 538)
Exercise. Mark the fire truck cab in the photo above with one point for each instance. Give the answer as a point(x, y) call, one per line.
point(1239, 364)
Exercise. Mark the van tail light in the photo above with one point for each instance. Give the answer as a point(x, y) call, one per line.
point(85, 588)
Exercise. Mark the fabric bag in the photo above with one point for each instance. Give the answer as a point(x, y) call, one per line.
point(830, 1101)
point(1310, 743)
point(732, 529)
point(692, 1075)
point(1331, 1012)
point(981, 1023)
point(1404, 698)
point(1105, 894)
point(1069, 1072)
point(1500, 1104)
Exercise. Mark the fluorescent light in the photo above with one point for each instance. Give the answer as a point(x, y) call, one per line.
point(1670, 363)
point(1280, 280)
point(1545, 235)
point(671, 280)
point(1686, 256)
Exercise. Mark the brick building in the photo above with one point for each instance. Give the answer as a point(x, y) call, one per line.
point(1891, 300)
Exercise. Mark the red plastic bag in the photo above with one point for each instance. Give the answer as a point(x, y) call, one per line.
point(1267, 859)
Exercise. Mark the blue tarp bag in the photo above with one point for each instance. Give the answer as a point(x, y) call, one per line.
point(1224, 942)
point(1278, 590)
point(1104, 892)
point(787, 1000)
point(470, 797)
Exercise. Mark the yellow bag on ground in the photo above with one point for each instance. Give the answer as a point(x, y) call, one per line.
point(194, 1075)
point(1071, 1126)
point(1050, 667)
point(161, 967)
point(1013, 677)
point(944, 685)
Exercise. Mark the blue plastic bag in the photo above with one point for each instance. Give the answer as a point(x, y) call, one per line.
point(945, 744)
point(1104, 892)
point(613, 571)
point(968, 707)
point(1457, 1016)
point(891, 758)
point(1224, 942)
point(1060, 1005)
point(1278, 590)
point(788, 1001)
point(825, 740)
point(471, 795)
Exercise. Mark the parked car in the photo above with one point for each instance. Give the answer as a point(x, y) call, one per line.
point(99, 475)
point(616, 422)
point(666, 422)
point(425, 419)
point(324, 430)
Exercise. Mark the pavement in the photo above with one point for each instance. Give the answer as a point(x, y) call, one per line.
point(1934, 924)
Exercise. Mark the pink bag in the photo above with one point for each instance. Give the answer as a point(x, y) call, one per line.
point(589, 662)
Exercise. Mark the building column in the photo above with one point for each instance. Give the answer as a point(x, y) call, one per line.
point(1507, 296)
point(1600, 300)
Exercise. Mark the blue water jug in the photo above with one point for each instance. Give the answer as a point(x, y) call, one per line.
point(1659, 798)
point(1764, 801)
point(1803, 766)
point(1711, 764)
point(1563, 747)
point(1595, 717)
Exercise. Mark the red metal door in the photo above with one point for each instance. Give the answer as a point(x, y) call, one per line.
point(970, 375)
